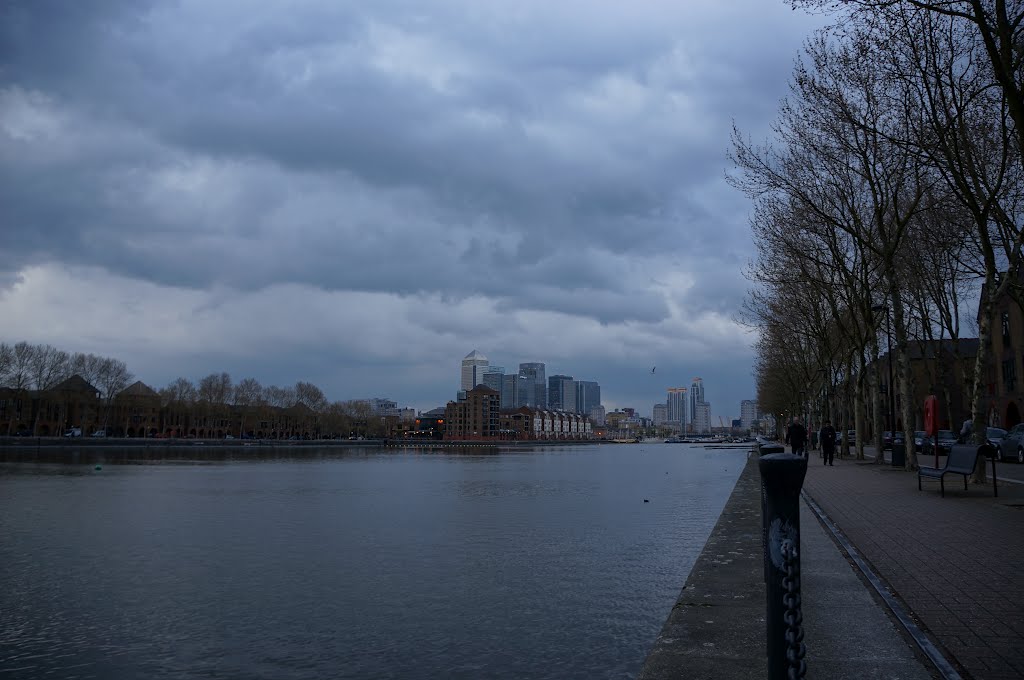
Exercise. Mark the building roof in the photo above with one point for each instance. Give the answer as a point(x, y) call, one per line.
point(475, 354)
point(138, 389)
point(75, 383)
point(968, 347)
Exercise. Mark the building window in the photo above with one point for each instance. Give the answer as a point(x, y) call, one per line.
point(1010, 375)
point(1006, 328)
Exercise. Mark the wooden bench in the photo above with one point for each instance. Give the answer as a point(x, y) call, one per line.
point(961, 461)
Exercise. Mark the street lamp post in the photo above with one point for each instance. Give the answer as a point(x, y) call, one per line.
point(888, 353)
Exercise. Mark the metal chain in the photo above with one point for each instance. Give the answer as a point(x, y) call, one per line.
point(794, 618)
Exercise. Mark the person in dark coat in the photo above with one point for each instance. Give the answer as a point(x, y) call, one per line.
point(796, 436)
point(827, 437)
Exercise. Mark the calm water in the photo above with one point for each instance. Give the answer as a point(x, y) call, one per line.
point(352, 564)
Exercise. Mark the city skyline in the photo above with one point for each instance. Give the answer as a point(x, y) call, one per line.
point(344, 193)
point(584, 390)
point(693, 394)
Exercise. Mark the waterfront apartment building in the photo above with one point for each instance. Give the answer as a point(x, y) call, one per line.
point(748, 413)
point(473, 366)
point(475, 417)
point(597, 415)
point(139, 411)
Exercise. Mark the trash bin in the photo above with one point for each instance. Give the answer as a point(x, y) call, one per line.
point(765, 449)
point(899, 454)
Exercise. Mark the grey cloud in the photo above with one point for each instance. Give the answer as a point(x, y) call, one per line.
point(551, 158)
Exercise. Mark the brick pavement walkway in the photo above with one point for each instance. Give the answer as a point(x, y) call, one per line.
point(957, 562)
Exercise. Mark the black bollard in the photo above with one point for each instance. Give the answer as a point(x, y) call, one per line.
point(782, 476)
point(764, 450)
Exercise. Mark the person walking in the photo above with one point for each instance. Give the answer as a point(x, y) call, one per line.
point(827, 437)
point(796, 436)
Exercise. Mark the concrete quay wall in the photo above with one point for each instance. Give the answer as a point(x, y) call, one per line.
point(717, 627)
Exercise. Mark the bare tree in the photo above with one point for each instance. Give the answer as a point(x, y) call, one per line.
point(960, 64)
point(279, 398)
point(113, 377)
point(88, 366)
point(248, 392)
point(181, 392)
point(6, 361)
point(215, 388)
point(19, 376)
point(49, 366)
point(248, 395)
point(310, 395)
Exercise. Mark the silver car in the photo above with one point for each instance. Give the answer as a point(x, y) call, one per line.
point(994, 437)
point(1012, 445)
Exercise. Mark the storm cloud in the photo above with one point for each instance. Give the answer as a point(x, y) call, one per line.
point(358, 194)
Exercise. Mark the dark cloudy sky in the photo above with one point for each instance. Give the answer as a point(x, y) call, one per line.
point(358, 194)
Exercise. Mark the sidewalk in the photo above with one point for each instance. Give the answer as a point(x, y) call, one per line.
point(717, 627)
point(956, 563)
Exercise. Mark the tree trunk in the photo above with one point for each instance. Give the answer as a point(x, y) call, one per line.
point(984, 331)
point(858, 414)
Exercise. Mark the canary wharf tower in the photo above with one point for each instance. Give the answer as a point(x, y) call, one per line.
point(473, 367)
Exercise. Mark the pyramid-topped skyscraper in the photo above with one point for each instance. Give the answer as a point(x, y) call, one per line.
point(473, 367)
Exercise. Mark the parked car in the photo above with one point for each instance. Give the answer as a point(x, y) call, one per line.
point(886, 440)
point(919, 437)
point(99, 433)
point(74, 432)
point(1012, 445)
point(946, 441)
point(994, 437)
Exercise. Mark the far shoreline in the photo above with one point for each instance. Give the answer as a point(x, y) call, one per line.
point(25, 444)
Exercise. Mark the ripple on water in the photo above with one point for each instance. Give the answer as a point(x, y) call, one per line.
point(545, 565)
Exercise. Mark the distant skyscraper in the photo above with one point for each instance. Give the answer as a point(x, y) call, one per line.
point(597, 415)
point(510, 390)
point(562, 393)
point(588, 395)
point(696, 397)
point(534, 371)
point(473, 370)
point(702, 423)
point(660, 414)
point(677, 407)
point(492, 377)
point(526, 392)
point(748, 413)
